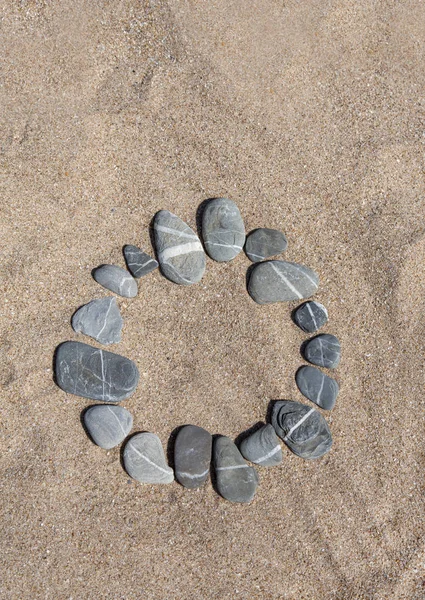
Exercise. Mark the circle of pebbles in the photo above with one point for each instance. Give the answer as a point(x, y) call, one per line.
point(109, 378)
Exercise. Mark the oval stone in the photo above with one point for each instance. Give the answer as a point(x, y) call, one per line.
point(192, 456)
point(262, 447)
point(116, 280)
point(281, 281)
point(223, 230)
point(108, 425)
point(263, 243)
point(317, 387)
point(138, 262)
point(92, 373)
point(311, 316)
point(100, 319)
point(236, 480)
point(144, 459)
point(324, 350)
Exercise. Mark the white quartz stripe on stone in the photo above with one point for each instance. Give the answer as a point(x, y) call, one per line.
point(179, 250)
point(304, 418)
point(175, 232)
point(166, 471)
point(269, 454)
point(286, 281)
point(190, 476)
point(232, 467)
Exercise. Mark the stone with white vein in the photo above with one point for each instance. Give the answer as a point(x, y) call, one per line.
point(311, 316)
point(192, 456)
point(144, 459)
point(178, 248)
point(117, 280)
point(317, 387)
point(138, 262)
point(236, 480)
point(262, 447)
point(324, 350)
point(108, 426)
point(281, 281)
point(263, 243)
point(223, 230)
point(100, 319)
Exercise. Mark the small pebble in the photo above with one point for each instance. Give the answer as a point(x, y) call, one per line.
point(223, 231)
point(264, 243)
point(138, 262)
point(311, 316)
point(324, 350)
point(108, 425)
point(262, 447)
point(236, 480)
point(192, 456)
point(144, 459)
point(317, 387)
point(281, 281)
point(100, 319)
point(116, 280)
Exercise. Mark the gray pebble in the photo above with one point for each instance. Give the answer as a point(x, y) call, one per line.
point(192, 456)
point(317, 387)
point(97, 374)
point(311, 316)
point(108, 425)
point(223, 231)
point(263, 243)
point(324, 350)
point(262, 447)
point(100, 319)
point(144, 459)
point(138, 262)
point(303, 429)
point(179, 250)
point(236, 480)
point(116, 280)
point(280, 281)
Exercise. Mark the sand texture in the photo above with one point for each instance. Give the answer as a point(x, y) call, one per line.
point(311, 117)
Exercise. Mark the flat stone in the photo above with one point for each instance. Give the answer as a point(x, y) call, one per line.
point(223, 231)
point(262, 447)
point(263, 243)
point(317, 387)
point(311, 316)
point(138, 262)
point(108, 426)
point(179, 250)
point(281, 281)
point(303, 429)
point(144, 459)
point(324, 350)
point(236, 480)
point(97, 374)
point(192, 456)
point(100, 319)
point(116, 280)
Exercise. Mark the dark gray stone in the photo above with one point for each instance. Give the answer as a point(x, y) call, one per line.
point(262, 447)
point(97, 374)
point(264, 243)
point(317, 387)
point(236, 480)
point(280, 281)
point(138, 262)
point(144, 459)
point(303, 429)
point(108, 425)
point(179, 250)
point(192, 456)
point(100, 319)
point(311, 316)
point(323, 350)
point(116, 280)
point(223, 231)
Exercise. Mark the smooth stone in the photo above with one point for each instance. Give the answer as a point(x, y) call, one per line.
point(223, 231)
point(179, 250)
point(263, 243)
point(324, 350)
point(192, 456)
point(92, 373)
point(262, 447)
point(236, 480)
point(317, 387)
point(303, 429)
point(144, 459)
point(311, 316)
point(138, 262)
point(108, 425)
point(100, 319)
point(281, 281)
point(116, 280)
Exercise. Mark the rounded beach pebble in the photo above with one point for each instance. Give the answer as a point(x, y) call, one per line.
point(116, 280)
point(317, 387)
point(100, 319)
point(263, 243)
point(281, 281)
point(138, 262)
point(236, 480)
point(324, 350)
point(262, 447)
point(192, 456)
point(311, 316)
point(144, 459)
point(108, 425)
point(223, 230)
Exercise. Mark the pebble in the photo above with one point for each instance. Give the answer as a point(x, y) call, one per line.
point(116, 280)
point(144, 459)
point(303, 429)
point(138, 262)
point(317, 387)
point(223, 231)
point(281, 281)
point(179, 250)
point(92, 373)
point(324, 350)
point(311, 316)
point(263, 243)
point(100, 319)
point(262, 447)
point(236, 480)
point(108, 425)
point(192, 456)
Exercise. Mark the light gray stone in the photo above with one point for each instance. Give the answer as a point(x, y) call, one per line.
point(311, 316)
point(108, 426)
point(236, 480)
point(100, 319)
point(144, 459)
point(324, 350)
point(317, 387)
point(280, 281)
point(262, 447)
point(263, 243)
point(192, 456)
point(116, 280)
point(138, 262)
point(179, 250)
point(223, 231)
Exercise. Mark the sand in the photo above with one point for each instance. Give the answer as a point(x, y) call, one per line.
point(311, 116)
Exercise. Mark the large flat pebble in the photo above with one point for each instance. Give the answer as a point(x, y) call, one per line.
point(138, 262)
point(100, 319)
point(192, 456)
point(311, 316)
point(317, 387)
point(108, 426)
point(324, 350)
point(144, 459)
point(262, 447)
point(116, 280)
point(236, 480)
point(263, 243)
point(223, 230)
point(281, 281)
